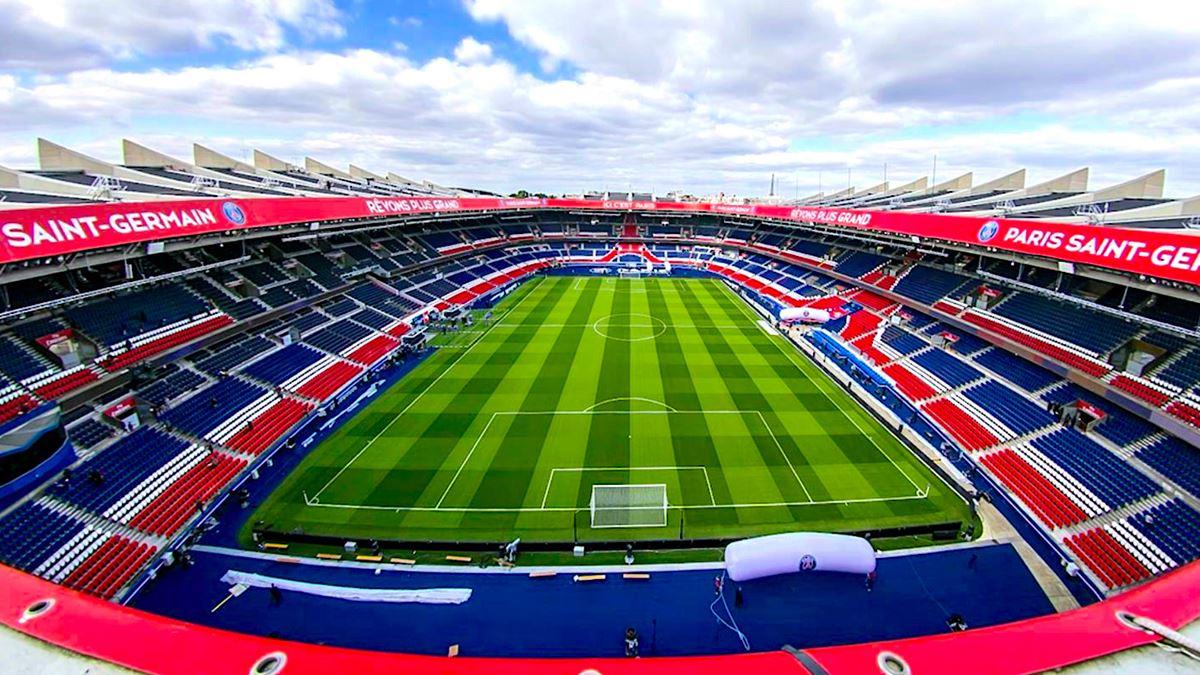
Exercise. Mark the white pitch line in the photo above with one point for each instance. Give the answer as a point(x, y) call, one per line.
point(458, 359)
point(785, 457)
point(629, 398)
point(832, 398)
point(466, 459)
point(564, 509)
point(550, 481)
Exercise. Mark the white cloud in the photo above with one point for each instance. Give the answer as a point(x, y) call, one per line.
point(405, 21)
point(60, 35)
point(470, 50)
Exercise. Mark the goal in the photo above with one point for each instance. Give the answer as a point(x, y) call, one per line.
point(630, 273)
point(629, 505)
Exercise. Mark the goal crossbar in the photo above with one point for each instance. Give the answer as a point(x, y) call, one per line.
point(629, 505)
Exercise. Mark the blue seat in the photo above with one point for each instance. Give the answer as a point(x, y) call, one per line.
point(1013, 410)
point(282, 364)
point(31, 533)
point(928, 285)
point(1174, 527)
point(948, 369)
point(123, 465)
point(1105, 474)
point(1176, 460)
point(209, 407)
point(1026, 375)
point(1095, 332)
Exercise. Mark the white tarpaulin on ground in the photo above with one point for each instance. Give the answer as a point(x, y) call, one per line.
point(429, 596)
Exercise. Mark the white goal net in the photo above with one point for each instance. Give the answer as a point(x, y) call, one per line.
point(629, 273)
point(629, 505)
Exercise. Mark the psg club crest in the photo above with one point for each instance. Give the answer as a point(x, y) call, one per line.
point(989, 231)
point(233, 213)
point(807, 563)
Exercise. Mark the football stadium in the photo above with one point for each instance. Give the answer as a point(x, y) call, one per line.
point(267, 411)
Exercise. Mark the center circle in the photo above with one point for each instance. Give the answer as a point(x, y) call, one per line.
point(629, 327)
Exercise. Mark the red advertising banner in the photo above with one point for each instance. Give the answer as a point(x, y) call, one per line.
point(57, 337)
point(48, 231)
point(1090, 409)
point(118, 409)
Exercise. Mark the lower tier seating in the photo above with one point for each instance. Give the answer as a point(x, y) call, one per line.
point(958, 423)
point(1050, 505)
point(110, 567)
point(1105, 556)
point(264, 430)
point(183, 499)
point(373, 350)
point(329, 381)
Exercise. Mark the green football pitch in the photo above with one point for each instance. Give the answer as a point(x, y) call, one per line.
point(581, 381)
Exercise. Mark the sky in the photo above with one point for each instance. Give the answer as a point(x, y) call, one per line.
point(701, 96)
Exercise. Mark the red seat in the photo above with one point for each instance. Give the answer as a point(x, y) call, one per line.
point(1077, 361)
point(969, 433)
point(164, 343)
point(168, 512)
point(1050, 504)
point(1141, 390)
point(910, 385)
point(329, 381)
point(269, 425)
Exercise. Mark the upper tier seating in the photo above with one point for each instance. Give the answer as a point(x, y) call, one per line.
point(1093, 331)
point(928, 285)
point(858, 263)
point(1184, 372)
point(323, 269)
point(263, 274)
point(17, 361)
point(113, 320)
point(238, 309)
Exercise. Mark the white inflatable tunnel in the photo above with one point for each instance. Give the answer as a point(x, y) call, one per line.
point(798, 552)
point(805, 314)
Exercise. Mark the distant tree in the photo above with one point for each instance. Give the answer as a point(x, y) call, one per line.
point(520, 194)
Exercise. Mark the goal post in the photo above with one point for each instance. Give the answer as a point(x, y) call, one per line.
point(629, 505)
point(629, 273)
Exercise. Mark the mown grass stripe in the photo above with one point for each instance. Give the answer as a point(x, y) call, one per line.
point(747, 396)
